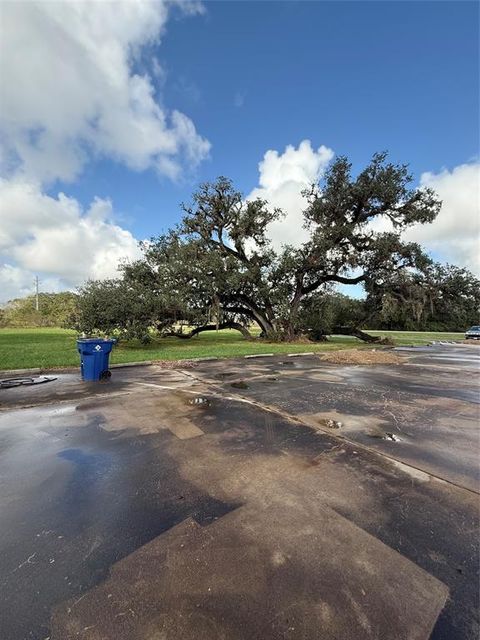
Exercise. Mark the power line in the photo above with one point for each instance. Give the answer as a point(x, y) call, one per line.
point(36, 293)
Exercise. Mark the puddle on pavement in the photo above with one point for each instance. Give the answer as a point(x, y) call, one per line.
point(390, 437)
point(98, 501)
point(239, 385)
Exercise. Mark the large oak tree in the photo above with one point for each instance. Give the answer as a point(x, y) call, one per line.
point(220, 264)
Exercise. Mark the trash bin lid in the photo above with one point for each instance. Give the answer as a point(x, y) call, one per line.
point(96, 340)
point(89, 346)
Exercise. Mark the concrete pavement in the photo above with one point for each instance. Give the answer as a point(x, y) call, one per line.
point(170, 504)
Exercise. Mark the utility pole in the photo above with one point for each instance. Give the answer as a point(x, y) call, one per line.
point(36, 293)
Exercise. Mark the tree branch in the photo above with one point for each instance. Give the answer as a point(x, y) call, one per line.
point(332, 278)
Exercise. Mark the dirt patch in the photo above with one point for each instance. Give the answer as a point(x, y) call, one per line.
point(176, 364)
point(361, 356)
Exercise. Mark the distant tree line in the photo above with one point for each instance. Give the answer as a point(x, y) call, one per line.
point(439, 298)
point(54, 310)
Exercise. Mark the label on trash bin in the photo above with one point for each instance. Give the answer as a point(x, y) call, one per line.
point(98, 348)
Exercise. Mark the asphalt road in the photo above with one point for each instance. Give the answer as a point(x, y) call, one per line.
point(267, 498)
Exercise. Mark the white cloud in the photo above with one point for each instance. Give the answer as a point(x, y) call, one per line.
point(281, 181)
point(54, 237)
point(455, 234)
point(70, 90)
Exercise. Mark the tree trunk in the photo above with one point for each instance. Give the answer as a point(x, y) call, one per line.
point(211, 327)
point(352, 331)
point(243, 305)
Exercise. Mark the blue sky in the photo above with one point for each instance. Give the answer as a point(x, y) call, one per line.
point(356, 77)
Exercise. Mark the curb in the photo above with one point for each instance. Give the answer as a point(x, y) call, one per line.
point(121, 365)
point(19, 372)
point(305, 353)
point(260, 355)
point(11, 373)
point(5, 373)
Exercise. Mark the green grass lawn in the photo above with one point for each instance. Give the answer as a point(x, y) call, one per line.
point(50, 348)
point(417, 337)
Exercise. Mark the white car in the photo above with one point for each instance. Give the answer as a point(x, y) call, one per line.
point(473, 333)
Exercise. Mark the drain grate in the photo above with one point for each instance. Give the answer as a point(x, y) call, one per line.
point(200, 401)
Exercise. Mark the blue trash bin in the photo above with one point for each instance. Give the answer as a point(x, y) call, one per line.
point(94, 357)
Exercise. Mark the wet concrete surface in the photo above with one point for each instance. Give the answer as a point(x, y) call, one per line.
point(69, 386)
point(423, 413)
point(76, 499)
point(170, 504)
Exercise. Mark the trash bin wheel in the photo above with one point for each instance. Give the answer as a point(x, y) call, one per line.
point(105, 375)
